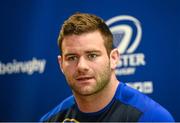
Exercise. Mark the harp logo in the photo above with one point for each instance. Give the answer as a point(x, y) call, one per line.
point(70, 120)
point(127, 33)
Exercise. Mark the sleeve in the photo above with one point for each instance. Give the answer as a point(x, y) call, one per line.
point(158, 114)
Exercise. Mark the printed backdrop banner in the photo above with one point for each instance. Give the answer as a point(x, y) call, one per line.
point(146, 34)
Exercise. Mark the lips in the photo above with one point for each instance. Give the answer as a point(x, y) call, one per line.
point(84, 78)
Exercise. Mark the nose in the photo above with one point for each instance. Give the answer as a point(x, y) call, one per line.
point(82, 65)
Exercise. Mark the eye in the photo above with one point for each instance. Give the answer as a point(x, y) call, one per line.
point(92, 56)
point(71, 58)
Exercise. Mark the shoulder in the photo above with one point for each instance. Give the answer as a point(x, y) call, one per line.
point(151, 110)
point(68, 102)
point(156, 114)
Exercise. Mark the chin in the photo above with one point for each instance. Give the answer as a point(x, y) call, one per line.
point(85, 92)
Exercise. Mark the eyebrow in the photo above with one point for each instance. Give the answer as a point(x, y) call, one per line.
point(88, 51)
point(93, 51)
point(69, 54)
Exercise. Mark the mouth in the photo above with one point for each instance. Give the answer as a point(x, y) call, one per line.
point(84, 79)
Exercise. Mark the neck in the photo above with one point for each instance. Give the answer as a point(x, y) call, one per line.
point(98, 101)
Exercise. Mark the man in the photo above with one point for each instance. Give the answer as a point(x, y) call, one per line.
point(88, 62)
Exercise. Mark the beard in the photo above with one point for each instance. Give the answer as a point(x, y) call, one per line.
point(100, 81)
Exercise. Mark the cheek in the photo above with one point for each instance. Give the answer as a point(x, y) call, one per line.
point(68, 70)
point(100, 65)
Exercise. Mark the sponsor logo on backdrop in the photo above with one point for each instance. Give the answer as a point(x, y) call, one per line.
point(28, 67)
point(127, 33)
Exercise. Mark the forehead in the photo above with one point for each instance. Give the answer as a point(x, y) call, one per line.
point(87, 41)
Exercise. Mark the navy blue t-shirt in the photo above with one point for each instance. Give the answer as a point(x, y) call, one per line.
point(127, 105)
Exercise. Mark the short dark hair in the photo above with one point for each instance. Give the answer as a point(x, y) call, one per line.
point(80, 23)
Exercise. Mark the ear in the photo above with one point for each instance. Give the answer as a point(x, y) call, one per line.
point(114, 58)
point(60, 61)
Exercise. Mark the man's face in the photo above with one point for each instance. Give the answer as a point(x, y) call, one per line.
point(85, 63)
